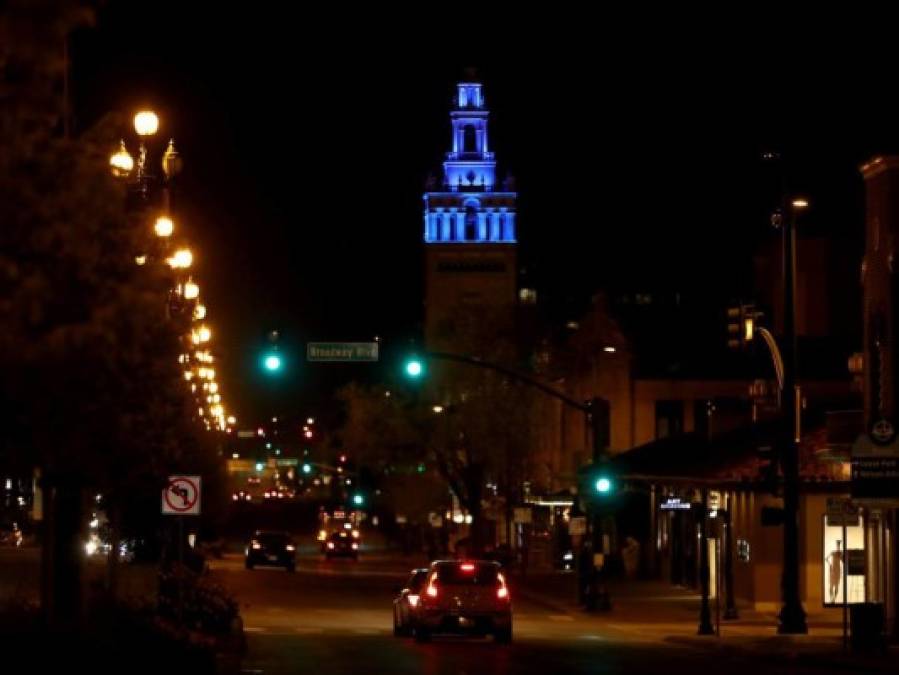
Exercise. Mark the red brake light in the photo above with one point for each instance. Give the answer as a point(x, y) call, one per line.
point(330, 544)
point(502, 592)
point(432, 591)
point(467, 567)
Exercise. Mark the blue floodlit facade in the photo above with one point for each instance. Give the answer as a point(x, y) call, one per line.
point(470, 209)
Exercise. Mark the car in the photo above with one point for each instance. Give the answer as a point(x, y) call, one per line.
point(341, 543)
point(275, 549)
point(468, 597)
point(10, 534)
point(407, 602)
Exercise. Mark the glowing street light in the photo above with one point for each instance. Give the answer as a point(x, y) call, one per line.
point(121, 162)
point(200, 312)
point(146, 123)
point(182, 259)
point(191, 291)
point(164, 226)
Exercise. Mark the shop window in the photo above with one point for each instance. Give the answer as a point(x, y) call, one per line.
point(669, 418)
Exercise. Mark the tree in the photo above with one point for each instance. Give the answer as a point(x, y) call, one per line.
point(91, 392)
point(481, 436)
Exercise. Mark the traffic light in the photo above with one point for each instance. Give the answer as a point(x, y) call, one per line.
point(603, 485)
point(358, 499)
point(597, 483)
point(307, 468)
point(272, 362)
point(741, 325)
point(414, 368)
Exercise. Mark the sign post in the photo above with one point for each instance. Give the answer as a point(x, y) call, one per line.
point(181, 497)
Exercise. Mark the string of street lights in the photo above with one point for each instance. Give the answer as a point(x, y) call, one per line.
point(196, 358)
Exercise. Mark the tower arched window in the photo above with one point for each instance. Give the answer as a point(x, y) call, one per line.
point(471, 223)
point(469, 139)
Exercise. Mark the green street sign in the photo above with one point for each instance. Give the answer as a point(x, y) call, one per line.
point(345, 352)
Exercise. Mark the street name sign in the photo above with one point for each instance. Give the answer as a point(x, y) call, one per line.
point(342, 352)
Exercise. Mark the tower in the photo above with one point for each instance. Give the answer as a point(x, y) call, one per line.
point(469, 229)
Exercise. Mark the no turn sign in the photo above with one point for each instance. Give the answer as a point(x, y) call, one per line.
point(181, 496)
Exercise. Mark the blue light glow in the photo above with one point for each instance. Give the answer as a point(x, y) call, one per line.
point(603, 485)
point(272, 362)
point(469, 182)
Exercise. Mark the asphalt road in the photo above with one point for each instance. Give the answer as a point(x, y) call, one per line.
point(336, 618)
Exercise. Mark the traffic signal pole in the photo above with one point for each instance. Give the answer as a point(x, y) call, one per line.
point(597, 594)
point(596, 414)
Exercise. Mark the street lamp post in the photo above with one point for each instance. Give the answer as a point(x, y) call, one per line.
point(792, 615)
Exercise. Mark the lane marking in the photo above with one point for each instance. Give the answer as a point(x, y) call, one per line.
point(254, 629)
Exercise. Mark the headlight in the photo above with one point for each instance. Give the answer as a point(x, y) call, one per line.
point(290, 547)
point(90, 547)
point(256, 545)
point(330, 544)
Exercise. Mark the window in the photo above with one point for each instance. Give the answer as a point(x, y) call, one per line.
point(469, 139)
point(471, 223)
point(701, 411)
point(669, 418)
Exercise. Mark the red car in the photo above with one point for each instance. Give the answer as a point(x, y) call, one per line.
point(468, 597)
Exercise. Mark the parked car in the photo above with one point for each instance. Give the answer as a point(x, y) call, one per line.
point(407, 602)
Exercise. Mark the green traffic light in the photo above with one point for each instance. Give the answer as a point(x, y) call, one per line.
point(358, 499)
point(272, 363)
point(414, 368)
point(603, 485)
point(307, 468)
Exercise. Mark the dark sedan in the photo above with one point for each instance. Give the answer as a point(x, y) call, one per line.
point(341, 544)
point(274, 549)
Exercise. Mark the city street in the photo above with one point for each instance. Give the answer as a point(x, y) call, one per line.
point(335, 618)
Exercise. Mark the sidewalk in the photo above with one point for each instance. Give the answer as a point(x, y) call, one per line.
point(656, 612)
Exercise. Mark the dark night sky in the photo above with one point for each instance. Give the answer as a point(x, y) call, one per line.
point(306, 148)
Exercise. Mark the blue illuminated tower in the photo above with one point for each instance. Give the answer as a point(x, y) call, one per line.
point(469, 226)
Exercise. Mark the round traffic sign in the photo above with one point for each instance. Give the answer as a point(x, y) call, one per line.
point(181, 494)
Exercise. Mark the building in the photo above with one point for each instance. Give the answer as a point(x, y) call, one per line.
point(875, 453)
point(469, 231)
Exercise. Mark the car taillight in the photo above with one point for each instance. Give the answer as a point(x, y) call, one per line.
point(330, 544)
point(413, 600)
point(290, 547)
point(355, 546)
point(431, 591)
point(467, 567)
point(256, 545)
point(502, 592)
